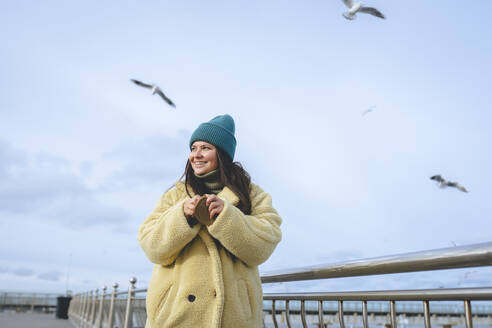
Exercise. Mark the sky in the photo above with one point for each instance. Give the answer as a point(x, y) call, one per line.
point(85, 154)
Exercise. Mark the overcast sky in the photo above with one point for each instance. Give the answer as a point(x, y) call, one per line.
point(85, 154)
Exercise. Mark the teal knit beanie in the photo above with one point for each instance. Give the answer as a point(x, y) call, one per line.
point(219, 131)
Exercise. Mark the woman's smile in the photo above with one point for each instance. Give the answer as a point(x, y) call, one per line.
point(203, 157)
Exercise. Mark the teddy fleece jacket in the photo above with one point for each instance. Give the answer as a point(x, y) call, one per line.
point(207, 276)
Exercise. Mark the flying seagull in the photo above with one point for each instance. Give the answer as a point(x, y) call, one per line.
point(444, 183)
point(370, 109)
point(355, 7)
point(155, 89)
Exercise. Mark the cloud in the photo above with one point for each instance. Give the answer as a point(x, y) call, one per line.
point(23, 272)
point(148, 160)
point(9, 158)
point(4, 270)
point(346, 187)
point(50, 276)
point(51, 187)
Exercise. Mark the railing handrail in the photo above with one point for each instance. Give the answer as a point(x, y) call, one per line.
point(30, 294)
point(83, 306)
point(24, 299)
point(474, 255)
point(448, 294)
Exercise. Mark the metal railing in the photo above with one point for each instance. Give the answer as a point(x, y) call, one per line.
point(127, 309)
point(45, 302)
point(117, 309)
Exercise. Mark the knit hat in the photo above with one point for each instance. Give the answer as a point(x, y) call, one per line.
point(219, 131)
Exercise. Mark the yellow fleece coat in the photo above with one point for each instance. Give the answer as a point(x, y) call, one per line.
point(208, 276)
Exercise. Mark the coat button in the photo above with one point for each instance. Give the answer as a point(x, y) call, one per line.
point(215, 293)
point(191, 298)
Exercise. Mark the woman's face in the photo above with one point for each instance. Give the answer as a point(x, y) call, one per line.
point(203, 157)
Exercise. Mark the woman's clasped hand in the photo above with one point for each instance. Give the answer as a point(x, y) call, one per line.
point(214, 204)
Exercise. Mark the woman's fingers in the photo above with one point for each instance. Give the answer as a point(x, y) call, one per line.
point(213, 199)
point(213, 213)
point(215, 206)
point(190, 204)
point(210, 199)
point(188, 209)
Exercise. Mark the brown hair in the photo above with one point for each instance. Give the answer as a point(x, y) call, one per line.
point(232, 175)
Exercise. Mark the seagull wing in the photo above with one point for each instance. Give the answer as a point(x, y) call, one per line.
point(137, 82)
point(460, 187)
point(163, 96)
point(456, 185)
point(370, 109)
point(372, 11)
point(348, 3)
point(437, 177)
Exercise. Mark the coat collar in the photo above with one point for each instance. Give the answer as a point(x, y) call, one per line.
point(226, 194)
point(229, 195)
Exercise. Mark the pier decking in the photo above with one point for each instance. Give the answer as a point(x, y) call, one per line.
point(12, 319)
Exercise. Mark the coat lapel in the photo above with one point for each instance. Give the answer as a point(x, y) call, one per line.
point(228, 195)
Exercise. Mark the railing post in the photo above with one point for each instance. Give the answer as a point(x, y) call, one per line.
point(82, 309)
point(340, 314)
point(86, 309)
point(274, 314)
point(393, 314)
point(427, 320)
point(110, 322)
point(287, 313)
point(70, 309)
point(73, 303)
point(468, 314)
point(78, 311)
point(129, 310)
point(93, 308)
point(74, 308)
point(320, 314)
point(303, 313)
point(364, 314)
point(99, 319)
point(82, 312)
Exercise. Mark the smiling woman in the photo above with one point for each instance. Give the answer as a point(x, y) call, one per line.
point(206, 271)
point(203, 157)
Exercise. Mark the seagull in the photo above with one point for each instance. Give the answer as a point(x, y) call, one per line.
point(155, 89)
point(444, 183)
point(370, 109)
point(355, 7)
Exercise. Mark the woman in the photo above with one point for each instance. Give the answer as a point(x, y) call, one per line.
point(207, 275)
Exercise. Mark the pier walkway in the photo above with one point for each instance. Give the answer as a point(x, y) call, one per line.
point(12, 319)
